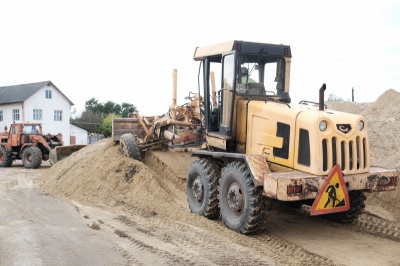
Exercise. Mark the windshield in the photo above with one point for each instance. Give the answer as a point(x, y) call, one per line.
point(260, 75)
point(31, 129)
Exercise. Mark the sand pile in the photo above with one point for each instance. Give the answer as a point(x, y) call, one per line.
point(383, 119)
point(100, 176)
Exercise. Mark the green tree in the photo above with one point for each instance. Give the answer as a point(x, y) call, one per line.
point(128, 108)
point(110, 107)
point(94, 106)
point(106, 125)
point(96, 117)
point(88, 120)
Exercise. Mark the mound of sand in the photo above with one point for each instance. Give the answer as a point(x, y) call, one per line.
point(383, 120)
point(100, 176)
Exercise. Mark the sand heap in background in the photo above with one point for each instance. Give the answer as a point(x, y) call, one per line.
point(100, 176)
point(383, 119)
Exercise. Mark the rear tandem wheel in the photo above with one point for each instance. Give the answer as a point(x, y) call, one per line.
point(202, 188)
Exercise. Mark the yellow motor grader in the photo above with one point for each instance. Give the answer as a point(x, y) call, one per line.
point(256, 147)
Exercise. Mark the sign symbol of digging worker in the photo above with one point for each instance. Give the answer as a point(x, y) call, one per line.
point(331, 190)
point(333, 195)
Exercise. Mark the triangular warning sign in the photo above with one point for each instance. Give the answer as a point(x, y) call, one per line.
point(333, 195)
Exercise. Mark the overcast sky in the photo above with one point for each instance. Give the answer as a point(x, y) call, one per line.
point(125, 51)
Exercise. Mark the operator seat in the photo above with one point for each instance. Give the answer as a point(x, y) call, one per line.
point(255, 89)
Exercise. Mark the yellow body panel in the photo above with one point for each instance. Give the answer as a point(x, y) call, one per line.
point(311, 119)
point(262, 130)
point(241, 120)
point(213, 49)
point(258, 121)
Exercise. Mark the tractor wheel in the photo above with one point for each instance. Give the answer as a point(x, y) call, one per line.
point(202, 188)
point(241, 203)
point(5, 158)
point(357, 206)
point(32, 157)
point(128, 147)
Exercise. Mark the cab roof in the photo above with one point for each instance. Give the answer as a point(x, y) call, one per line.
point(243, 47)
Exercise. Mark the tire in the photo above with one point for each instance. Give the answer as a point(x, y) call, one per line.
point(5, 158)
point(32, 157)
point(128, 147)
point(241, 203)
point(357, 205)
point(202, 188)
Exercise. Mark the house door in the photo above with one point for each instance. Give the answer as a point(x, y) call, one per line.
point(72, 140)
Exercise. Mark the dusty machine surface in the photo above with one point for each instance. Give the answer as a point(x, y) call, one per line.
point(27, 142)
point(255, 147)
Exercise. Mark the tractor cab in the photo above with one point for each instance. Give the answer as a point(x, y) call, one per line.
point(246, 71)
point(19, 132)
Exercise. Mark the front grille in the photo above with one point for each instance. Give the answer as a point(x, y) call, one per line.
point(351, 154)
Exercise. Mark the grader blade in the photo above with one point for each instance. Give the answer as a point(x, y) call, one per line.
point(62, 152)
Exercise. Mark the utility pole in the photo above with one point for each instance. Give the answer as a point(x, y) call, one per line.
point(352, 94)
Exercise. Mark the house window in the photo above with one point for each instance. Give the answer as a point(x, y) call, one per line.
point(48, 94)
point(37, 114)
point(1, 115)
point(15, 113)
point(57, 115)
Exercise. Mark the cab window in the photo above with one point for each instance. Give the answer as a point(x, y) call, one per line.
point(260, 75)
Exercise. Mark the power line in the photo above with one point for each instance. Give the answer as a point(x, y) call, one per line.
point(8, 76)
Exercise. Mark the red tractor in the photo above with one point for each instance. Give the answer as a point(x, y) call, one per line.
point(27, 142)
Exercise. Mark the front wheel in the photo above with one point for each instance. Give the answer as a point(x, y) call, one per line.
point(240, 201)
point(32, 157)
point(128, 146)
point(5, 158)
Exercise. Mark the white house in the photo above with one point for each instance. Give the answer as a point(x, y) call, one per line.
point(40, 102)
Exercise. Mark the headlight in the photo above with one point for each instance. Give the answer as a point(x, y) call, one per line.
point(360, 125)
point(322, 125)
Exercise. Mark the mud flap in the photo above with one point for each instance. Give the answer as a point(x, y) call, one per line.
point(62, 152)
point(258, 168)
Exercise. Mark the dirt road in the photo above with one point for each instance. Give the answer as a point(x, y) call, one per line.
point(126, 213)
point(37, 229)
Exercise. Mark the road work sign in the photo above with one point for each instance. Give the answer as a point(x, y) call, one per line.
point(333, 195)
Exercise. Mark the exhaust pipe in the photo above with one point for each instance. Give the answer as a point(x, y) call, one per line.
point(174, 93)
point(321, 97)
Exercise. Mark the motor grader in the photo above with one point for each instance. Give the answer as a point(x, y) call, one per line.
point(27, 142)
point(256, 147)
